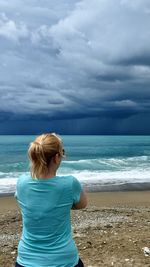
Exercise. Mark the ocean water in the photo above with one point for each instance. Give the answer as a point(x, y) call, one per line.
point(103, 163)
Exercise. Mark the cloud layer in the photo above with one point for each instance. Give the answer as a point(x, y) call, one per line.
point(87, 61)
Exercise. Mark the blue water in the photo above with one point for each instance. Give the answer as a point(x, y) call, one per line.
point(99, 162)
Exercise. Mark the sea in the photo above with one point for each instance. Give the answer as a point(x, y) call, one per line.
point(101, 163)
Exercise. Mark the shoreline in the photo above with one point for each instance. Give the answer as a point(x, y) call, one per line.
point(125, 187)
point(111, 231)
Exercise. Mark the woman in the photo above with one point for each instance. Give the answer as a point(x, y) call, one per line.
point(45, 200)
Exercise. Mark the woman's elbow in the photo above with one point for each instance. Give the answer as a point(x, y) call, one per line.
point(82, 203)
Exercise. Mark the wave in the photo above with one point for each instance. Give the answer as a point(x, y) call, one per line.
point(101, 179)
point(9, 175)
point(109, 176)
point(86, 177)
point(99, 164)
point(7, 185)
point(120, 160)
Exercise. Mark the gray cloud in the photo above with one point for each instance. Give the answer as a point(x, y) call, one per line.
point(73, 60)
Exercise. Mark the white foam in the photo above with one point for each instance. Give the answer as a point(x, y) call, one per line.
point(8, 184)
point(97, 163)
point(111, 176)
point(138, 158)
point(10, 174)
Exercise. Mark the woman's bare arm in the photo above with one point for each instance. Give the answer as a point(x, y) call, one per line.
point(82, 203)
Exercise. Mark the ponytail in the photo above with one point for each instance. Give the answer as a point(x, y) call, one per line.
point(41, 151)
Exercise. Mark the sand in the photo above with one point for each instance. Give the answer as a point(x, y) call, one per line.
point(111, 231)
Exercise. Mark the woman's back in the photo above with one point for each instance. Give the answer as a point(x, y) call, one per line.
point(45, 205)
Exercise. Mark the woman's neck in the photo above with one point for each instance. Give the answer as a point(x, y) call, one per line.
point(50, 174)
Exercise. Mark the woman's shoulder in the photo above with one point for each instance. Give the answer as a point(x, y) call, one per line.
point(69, 180)
point(23, 178)
point(67, 177)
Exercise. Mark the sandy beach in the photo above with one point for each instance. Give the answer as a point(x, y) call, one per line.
point(111, 231)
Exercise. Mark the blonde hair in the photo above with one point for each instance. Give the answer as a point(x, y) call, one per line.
point(41, 151)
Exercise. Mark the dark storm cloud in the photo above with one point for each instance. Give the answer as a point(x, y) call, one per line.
point(74, 65)
point(139, 60)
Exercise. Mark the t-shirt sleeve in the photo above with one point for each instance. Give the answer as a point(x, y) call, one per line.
point(77, 189)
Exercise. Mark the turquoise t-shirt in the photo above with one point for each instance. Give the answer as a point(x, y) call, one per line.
point(45, 204)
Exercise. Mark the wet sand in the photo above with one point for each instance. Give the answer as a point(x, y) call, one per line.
point(111, 231)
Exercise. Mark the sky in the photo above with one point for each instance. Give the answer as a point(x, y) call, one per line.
point(75, 67)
